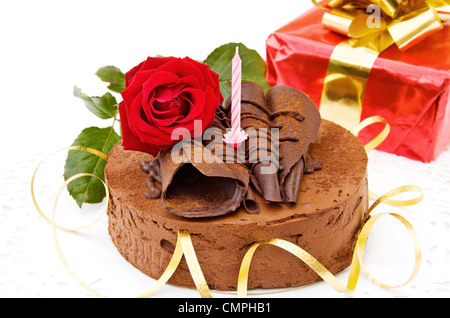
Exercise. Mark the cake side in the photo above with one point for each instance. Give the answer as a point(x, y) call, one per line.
point(325, 221)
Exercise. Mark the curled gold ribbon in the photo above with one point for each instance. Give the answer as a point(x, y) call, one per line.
point(375, 142)
point(357, 262)
point(55, 237)
point(194, 266)
point(33, 197)
point(183, 246)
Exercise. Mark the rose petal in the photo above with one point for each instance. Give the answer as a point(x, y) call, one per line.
point(189, 81)
point(180, 107)
point(155, 85)
point(164, 114)
point(163, 94)
point(129, 140)
point(212, 103)
point(135, 87)
point(149, 64)
point(176, 88)
point(184, 105)
point(129, 76)
point(184, 67)
point(196, 98)
point(164, 123)
point(141, 128)
point(159, 78)
point(156, 62)
point(211, 78)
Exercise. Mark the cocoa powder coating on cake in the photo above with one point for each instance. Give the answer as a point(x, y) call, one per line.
point(325, 221)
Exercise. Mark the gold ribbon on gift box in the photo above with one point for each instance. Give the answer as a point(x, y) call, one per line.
point(371, 27)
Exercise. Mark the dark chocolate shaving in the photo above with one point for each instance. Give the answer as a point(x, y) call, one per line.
point(261, 157)
point(154, 175)
point(296, 135)
point(201, 189)
point(298, 121)
point(312, 165)
point(250, 203)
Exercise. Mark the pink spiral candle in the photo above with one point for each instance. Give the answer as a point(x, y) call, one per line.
point(236, 94)
point(236, 136)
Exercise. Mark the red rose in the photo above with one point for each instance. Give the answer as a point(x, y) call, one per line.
point(163, 94)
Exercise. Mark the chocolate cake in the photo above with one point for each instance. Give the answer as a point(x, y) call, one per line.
point(317, 197)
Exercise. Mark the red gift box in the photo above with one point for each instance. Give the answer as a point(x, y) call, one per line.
point(410, 89)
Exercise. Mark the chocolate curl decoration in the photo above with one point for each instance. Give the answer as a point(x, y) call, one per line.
point(299, 121)
point(153, 179)
point(216, 146)
point(203, 188)
point(262, 161)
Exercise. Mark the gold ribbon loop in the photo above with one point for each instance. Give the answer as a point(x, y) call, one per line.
point(412, 28)
point(183, 246)
point(385, 198)
point(442, 8)
point(353, 24)
point(33, 197)
point(168, 272)
point(389, 7)
point(375, 142)
point(357, 262)
point(91, 151)
point(307, 258)
point(55, 237)
point(193, 265)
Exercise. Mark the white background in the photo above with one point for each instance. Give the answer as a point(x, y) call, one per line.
point(47, 47)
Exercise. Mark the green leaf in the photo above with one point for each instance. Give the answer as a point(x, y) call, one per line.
point(104, 107)
point(89, 189)
point(113, 76)
point(254, 67)
point(225, 89)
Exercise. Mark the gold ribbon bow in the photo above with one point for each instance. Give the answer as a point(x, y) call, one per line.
point(403, 22)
